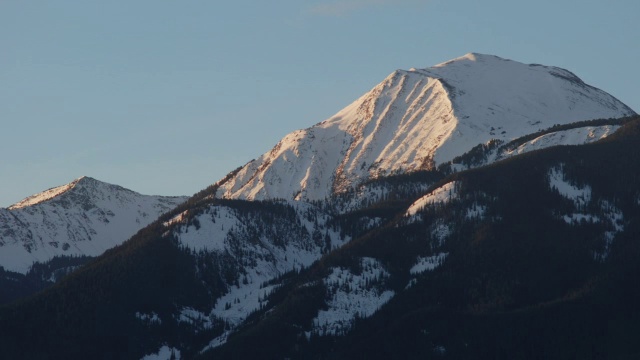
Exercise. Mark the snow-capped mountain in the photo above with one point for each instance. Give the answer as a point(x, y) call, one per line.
point(407, 259)
point(84, 217)
point(418, 119)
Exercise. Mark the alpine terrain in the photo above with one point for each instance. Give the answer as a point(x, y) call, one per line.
point(418, 119)
point(71, 223)
point(480, 208)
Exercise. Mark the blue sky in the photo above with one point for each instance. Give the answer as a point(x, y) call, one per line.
point(166, 97)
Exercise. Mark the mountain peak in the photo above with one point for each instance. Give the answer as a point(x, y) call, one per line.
point(83, 217)
point(82, 182)
point(415, 120)
point(87, 181)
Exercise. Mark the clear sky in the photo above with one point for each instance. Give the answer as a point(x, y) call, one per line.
point(166, 97)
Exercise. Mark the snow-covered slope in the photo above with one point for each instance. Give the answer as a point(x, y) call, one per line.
point(257, 244)
point(417, 119)
point(84, 217)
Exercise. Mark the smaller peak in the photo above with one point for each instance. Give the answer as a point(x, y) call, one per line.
point(82, 183)
point(85, 180)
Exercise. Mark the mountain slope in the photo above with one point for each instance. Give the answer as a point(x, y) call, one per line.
point(532, 257)
point(418, 119)
point(84, 217)
point(183, 280)
point(503, 248)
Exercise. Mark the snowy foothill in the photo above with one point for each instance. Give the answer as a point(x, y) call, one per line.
point(351, 296)
point(260, 247)
point(251, 292)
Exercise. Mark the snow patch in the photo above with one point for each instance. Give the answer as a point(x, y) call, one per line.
point(197, 319)
point(443, 194)
point(581, 196)
point(428, 263)
point(411, 282)
point(164, 353)
point(616, 223)
point(440, 231)
point(476, 212)
point(351, 296)
point(610, 215)
point(577, 218)
point(241, 301)
point(218, 341)
point(176, 219)
point(152, 318)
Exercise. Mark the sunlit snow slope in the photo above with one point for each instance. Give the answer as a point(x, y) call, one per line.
point(419, 118)
point(84, 217)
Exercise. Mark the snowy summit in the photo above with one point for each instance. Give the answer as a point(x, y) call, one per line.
point(417, 119)
point(84, 217)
